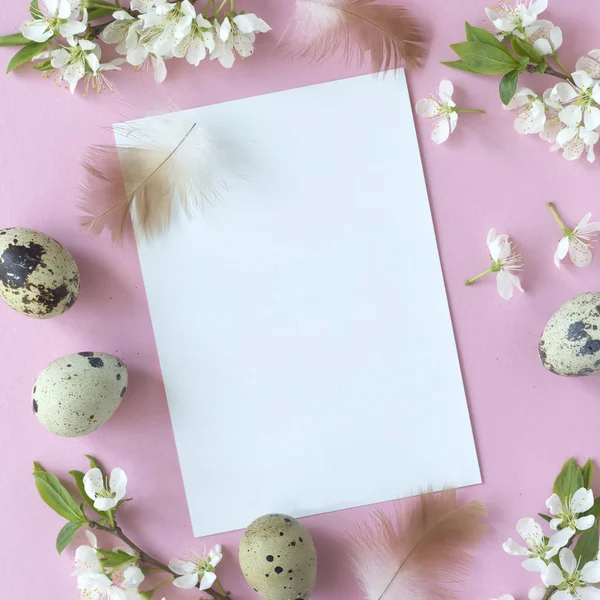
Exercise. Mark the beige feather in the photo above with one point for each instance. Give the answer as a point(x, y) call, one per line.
point(389, 33)
point(423, 552)
point(167, 161)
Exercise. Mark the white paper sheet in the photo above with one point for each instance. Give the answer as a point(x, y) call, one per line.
point(302, 323)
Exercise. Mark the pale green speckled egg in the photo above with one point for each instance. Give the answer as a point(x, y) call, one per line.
point(38, 277)
point(278, 558)
point(77, 393)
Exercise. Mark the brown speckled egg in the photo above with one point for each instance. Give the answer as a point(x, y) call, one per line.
point(278, 558)
point(77, 393)
point(38, 277)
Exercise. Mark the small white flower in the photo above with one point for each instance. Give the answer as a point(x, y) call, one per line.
point(441, 110)
point(166, 25)
point(539, 549)
point(237, 34)
point(105, 499)
point(545, 37)
point(566, 511)
point(98, 81)
point(553, 125)
point(75, 60)
point(531, 112)
point(514, 18)
point(577, 242)
point(133, 577)
point(142, 6)
point(117, 31)
point(590, 64)
point(579, 101)
point(574, 141)
point(505, 260)
point(197, 569)
point(199, 40)
point(56, 17)
point(571, 580)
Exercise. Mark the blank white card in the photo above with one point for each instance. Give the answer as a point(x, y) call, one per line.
point(302, 322)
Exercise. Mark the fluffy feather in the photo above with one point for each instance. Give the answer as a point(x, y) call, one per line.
point(166, 161)
point(422, 553)
point(389, 33)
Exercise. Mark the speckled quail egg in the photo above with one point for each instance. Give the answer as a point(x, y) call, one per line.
point(570, 343)
point(77, 393)
point(278, 558)
point(38, 277)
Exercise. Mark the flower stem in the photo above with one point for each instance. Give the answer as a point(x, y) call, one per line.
point(550, 71)
point(552, 208)
point(220, 8)
point(560, 64)
point(146, 558)
point(549, 592)
point(474, 279)
point(470, 110)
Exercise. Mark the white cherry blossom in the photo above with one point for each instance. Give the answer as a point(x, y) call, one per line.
point(197, 570)
point(97, 81)
point(509, 18)
point(54, 17)
point(576, 242)
point(571, 580)
point(239, 34)
point(441, 110)
point(75, 60)
point(579, 101)
point(539, 549)
point(195, 45)
point(105, 498)
point(553, 124)
point(567, 512)
point(505, 261)
point(117, 31)
point(575, 141)
point(165, 25)
point(590, 64)
point(531, 112)
point(546, 37)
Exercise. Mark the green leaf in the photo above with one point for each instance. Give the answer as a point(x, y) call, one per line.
point(484, 59)
point(525, 49)
point(37, 468)
point(94, 464)
point(78, 477)
point(56, 496)
point(546, 518)
point(115, 559)
point(102, 4)
point(586, 548)
point(476, 34)
point(457, 64)
point(44, 66)
point(14, 39)
point(34, 9)
point(100, 13)
point(65, 535)
point(587, 471)
point(595, 510)
point(120, 502)
point(569, 480)
point(508, 86)
point(25, 54)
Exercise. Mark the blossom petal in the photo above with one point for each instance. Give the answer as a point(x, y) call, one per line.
point(93, 481)
point(196, 53)
point(427, 108)
point(133, 577)
point(584, 523)
point(491, 236)
point(554, 524)
point(104, 504)
point(565, 92)
point(64, 9)
point(160, 69)
point(207, 580)
point(589, 593)
point(582, 80)
point(591, 118)
point(71, 28)
point(505, 282)
point(591, 572)
point(182, 567)
point(562, 595)
point(530, 531)
point(118, 483)
point(243, 44)
point(445, 90)
point(534, 564)
point(92, 539)
point(543, 46)
point(441, 132)
point(36, 31)
point(581, 256)
point(559, 539)
point(552, 575)
point(537, 593)
point(225, 29)
point(250, 23)
point(187, 582)
point(582, 500)
point(453, 121)
point(568, 562)
point(215, 556)
point(556, 37)
point(561, 251)
point(571, 115)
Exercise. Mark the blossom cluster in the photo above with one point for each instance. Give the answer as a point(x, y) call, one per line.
point(567, 115)
point(150, 32)
point(566, 573)
point(118, 573)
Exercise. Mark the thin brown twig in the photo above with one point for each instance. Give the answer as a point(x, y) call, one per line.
point(549, 593)
point(146, 558)
point(550, 71)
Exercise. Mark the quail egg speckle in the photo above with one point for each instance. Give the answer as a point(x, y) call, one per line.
point(278, 558)
point(77, 393)
point(38, 277)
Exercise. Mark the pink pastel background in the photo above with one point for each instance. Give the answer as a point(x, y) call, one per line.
point(526, 420)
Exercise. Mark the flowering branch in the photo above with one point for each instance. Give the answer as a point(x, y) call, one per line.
point(144, 557)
